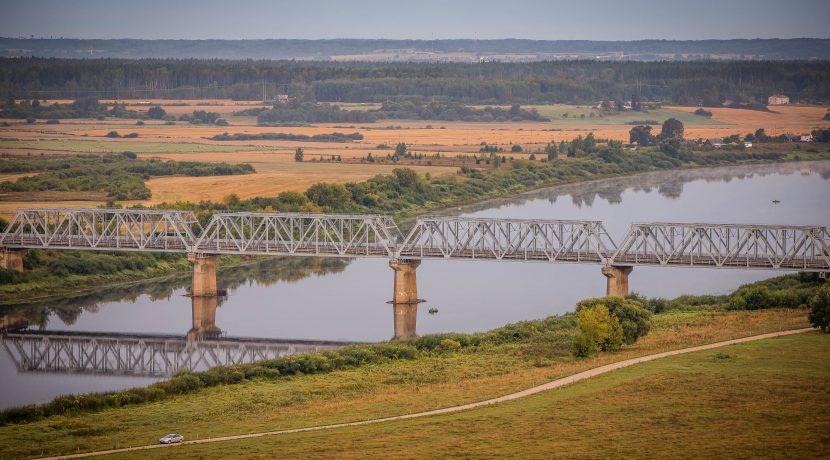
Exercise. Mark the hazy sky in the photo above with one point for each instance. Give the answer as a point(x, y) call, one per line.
point(424, 19)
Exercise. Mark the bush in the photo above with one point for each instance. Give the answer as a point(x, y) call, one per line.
point(450, 344)
point(820, 309)
point(31, 120)
point(634, 319)
point(53, 121)
point(583, 347)
point(597, 326)
point(113, 134)
point(139, 123)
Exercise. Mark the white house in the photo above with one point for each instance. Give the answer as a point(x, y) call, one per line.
point(778, 99)
point(807, 138)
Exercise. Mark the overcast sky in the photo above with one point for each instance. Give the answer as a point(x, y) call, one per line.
point(422, 19)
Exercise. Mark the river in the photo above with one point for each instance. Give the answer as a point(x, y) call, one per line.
point(295, 304)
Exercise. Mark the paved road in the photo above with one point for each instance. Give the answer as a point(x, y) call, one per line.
point(521, 394)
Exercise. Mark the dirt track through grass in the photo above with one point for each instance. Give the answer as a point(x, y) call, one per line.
point(448, 410)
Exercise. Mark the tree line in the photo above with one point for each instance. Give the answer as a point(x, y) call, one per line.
point(706, 82)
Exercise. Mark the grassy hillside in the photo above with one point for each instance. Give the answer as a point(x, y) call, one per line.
point(753, 400)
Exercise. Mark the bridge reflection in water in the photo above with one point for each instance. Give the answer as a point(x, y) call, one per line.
point(149, 355)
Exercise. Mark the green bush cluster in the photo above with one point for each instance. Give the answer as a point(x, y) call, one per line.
point(607, 323)
point(325, 137)
point(119, 175)
point(820, 308)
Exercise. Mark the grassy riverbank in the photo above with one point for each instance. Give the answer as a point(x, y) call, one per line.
point(753, 400)
point(426, 373)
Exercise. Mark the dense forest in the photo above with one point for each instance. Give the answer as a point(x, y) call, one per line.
point(708, 83)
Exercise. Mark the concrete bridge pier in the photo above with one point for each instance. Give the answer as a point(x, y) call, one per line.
point(406, 318)
point(405, 298)
point(12, 259)
point(204, 319)
point(204, 274)
point(617, 280)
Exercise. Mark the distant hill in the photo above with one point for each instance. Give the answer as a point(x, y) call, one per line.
point(505, 50)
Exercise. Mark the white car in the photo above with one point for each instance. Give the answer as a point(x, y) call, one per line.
point(172, 439)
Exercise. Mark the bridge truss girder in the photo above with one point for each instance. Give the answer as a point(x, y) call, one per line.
point(335, 235)
point(775, 247)
point(101, 229)
point(507, 239)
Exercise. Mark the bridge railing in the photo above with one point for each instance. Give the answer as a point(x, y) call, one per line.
point(103, 229)
point(300, 234)
point(507, 239)
point(780, 247)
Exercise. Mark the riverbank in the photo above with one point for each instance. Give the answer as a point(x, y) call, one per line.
point(773, 386)
point(437, 371)
point(44, 280)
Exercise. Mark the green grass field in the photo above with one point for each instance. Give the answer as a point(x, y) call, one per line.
point(575, 115)
point(105, 146)
point(440, 379)
point(766, 399)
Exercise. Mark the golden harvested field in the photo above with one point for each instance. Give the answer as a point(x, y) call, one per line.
point(275, 173)
point(273, 159)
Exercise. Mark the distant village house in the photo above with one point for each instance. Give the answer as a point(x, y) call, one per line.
point(778, 99)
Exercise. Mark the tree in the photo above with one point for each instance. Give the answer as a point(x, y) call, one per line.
point(370, 158)
point(400, 150)
point(298, 154)
point(156, 113)
point(634, 319)
point(820, 308)
point(761, 135)
point(641, 134)
point(516, 148)
point(335, 197)
point(551, 151)
point(598, 329)
point(672, 129)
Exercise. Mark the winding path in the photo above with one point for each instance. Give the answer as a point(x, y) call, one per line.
point(447, 410)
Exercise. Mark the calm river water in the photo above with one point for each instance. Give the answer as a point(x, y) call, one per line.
point(335, 300)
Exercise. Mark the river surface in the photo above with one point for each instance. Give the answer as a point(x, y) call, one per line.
point(336, 300)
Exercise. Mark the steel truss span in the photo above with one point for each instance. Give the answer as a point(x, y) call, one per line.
point(776, 247)
point(300, 234)
point(770, 247)
point(142, 356)
point(507, 239)
point(102, 229)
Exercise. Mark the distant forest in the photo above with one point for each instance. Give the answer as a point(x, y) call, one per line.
point(640, 50)
point(709, 83)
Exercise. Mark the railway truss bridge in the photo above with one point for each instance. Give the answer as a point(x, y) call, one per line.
point(694, 245)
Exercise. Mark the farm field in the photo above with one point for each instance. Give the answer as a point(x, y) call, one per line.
point(276, 170)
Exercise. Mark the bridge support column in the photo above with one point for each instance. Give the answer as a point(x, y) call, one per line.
point(406, 286)
point(204, 274)
point(204, 319)
point(617, 280)
point(405, 298)
point(12, 259)
point(406, 318)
